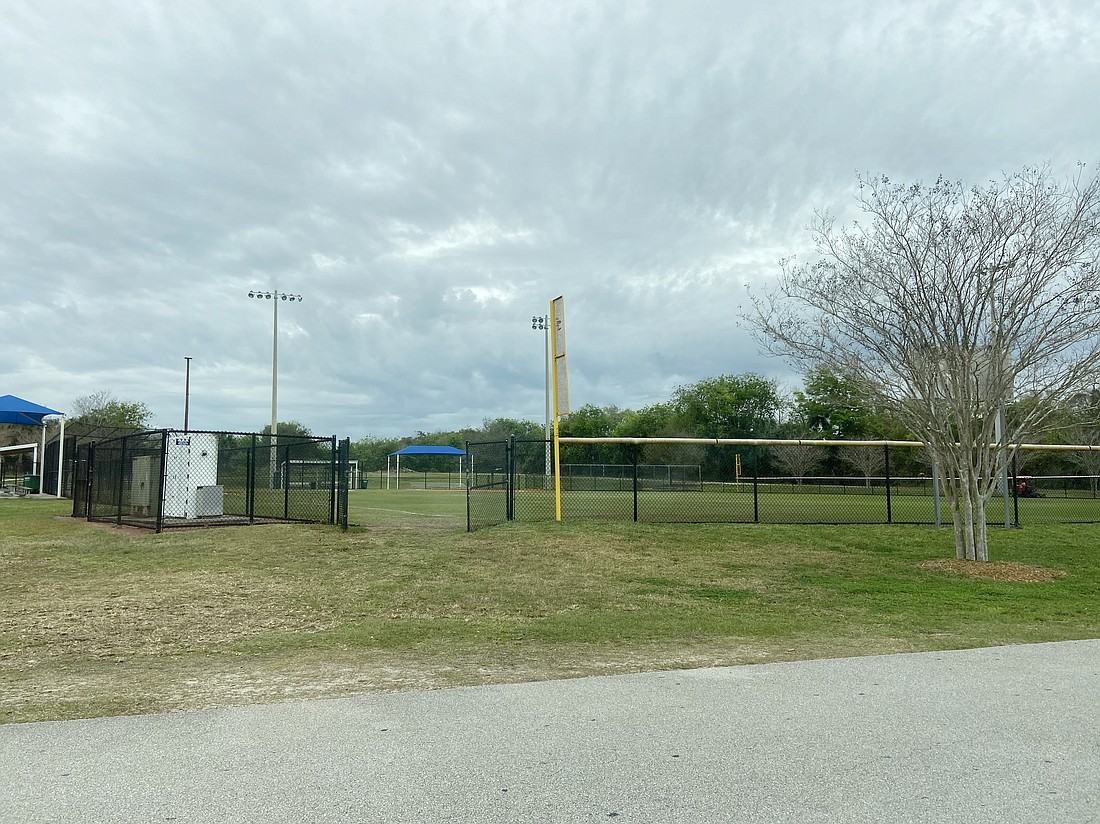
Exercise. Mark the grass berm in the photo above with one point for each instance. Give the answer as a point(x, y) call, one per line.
point(98, 621)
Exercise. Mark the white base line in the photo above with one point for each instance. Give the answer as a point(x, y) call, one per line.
point(404, 512)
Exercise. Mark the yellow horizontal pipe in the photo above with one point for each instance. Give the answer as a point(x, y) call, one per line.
point(1042, 447)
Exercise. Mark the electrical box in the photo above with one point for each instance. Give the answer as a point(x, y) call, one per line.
point(190, 464)
point(141, 486)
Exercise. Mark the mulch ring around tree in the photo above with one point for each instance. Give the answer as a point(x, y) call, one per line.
point(995, 570)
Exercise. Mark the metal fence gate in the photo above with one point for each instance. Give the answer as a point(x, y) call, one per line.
point(490, 468)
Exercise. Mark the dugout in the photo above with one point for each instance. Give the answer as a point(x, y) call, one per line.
point(421, 450)
point(20, 412)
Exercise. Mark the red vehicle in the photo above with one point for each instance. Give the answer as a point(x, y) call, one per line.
point(1026, 489)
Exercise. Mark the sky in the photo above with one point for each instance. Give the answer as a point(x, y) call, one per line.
point(429, 175)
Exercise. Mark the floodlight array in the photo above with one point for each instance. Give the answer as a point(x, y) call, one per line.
point(262, 295)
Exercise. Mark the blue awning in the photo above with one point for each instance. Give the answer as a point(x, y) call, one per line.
point(18, 411)
point(430, 450)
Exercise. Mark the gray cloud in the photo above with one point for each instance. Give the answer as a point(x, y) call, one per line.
point(428, 174)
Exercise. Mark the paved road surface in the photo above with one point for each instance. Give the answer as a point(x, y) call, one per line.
point(1009, 734)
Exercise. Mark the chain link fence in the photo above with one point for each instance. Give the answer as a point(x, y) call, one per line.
point(345, 480)
point(791, 482)
point(490, 477)
point(164, 479)
point(76, 435)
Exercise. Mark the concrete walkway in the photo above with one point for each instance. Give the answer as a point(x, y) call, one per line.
point(1009, 734)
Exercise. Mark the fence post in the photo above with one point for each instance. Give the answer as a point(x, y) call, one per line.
point(936, 493)
point(510, 477)
point(333, 484)
point(163, 479)
point(1015, 494)
point(886, 470)
point(88, 482)
point(283, 473)
point(73, 475)
point(68, 464)
point(250, 483)
point(469, 482)
point(343, 483)
point(121, 480)
point(634, 449)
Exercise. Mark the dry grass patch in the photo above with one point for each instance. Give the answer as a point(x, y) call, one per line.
point(995, 570)
point(95, 622)
point(147, 615)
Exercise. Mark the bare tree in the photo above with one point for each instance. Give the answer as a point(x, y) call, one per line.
point(1083, 428)
point(869, 460)
point(102, 408)
point(942, 305)
point(798, 459)
point(1087, 459)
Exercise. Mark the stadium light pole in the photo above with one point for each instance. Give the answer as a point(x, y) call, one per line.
point(1000, 424)
point(542, 324)
point(186, 390)
point(274, 296)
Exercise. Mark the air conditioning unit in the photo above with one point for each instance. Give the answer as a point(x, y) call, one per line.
point(209, 501)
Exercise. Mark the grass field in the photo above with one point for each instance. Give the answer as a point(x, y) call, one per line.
point(98, 621)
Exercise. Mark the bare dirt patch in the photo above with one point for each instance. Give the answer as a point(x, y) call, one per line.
point(995, 570)
point(54, 692)
point(117, 529)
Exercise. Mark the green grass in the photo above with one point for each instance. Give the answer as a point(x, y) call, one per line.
point(94, 621)
point(415, 480)
point(785, 507)
point(414, 508)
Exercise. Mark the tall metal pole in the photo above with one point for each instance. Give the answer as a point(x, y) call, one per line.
point(1002, 449)
point(186, 392)
point(936, 493)
point(1000, 424)
point(274, 296)
point(546, 364)
point(274, 368)
point(60, 459)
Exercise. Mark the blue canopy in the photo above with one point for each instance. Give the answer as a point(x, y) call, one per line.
point(430, 450)
point(17, 410)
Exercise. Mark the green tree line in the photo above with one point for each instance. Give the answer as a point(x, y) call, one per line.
point(746, 405)
point(749, 405)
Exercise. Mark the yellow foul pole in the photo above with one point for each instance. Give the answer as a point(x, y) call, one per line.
point(557, 461)
point(560, 391)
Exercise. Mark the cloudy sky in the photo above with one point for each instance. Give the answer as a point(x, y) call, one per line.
point(428, 175)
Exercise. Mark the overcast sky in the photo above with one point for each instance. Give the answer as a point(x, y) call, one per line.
point(428, 175)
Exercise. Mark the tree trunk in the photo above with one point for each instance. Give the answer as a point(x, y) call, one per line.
point(963, 488)
point(981, 527)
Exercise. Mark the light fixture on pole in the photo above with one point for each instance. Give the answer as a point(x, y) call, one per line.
point(542, 324)
point(274, 296)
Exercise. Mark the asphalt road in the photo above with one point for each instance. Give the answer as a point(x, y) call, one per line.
point(1008, 734)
